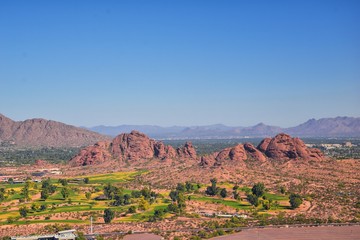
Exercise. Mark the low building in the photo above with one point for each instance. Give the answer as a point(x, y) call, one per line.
point(62, 235)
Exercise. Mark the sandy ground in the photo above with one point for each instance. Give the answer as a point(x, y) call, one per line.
point(304, 233)
point(146, 236)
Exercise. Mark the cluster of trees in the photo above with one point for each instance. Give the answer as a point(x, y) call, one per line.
point(213, 190)
point(2, 194)
point(295, 200)
point(47, 189)
point(28, 156)
point(146, 195)
point(178, 201)
point(257, 191)
point(144, 198)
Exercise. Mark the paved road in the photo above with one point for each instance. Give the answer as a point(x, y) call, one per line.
point(298, 233)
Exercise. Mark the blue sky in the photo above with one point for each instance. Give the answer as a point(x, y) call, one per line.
point(169, 63)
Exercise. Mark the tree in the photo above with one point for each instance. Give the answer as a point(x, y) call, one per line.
point(25, 192)
point(253, 199)
point(181, 202)
point(143, 204)
point(86, 180)
point(189, 186)
point(65, 192)
point(295, 200)
point(34, 207)
point(63, 181)
point(44, 194)
point(212, 190)
point(180, 187)
point(43, 207)
point(173, 195)
point(223, 193)
point(258, 189)
point(282, 189)
point(23, 211)
point(158, 215)
point(266, 204)
point(2, 194)
point(11, 181)
point(80, 236)
point(88, 195)
point(132, 209)
point(108, 215)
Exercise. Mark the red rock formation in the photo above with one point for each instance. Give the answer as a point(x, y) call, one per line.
point(253, 152)
point(132, 146)
point(282, 146)
point(92, 155)
point(264, 144)
point(188, 151)
point(163, 151)
point(207, 161)
point(240, 153)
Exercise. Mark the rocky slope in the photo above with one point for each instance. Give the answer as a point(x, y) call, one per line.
point(131, 147)
point(45, 133)
point(135, 146)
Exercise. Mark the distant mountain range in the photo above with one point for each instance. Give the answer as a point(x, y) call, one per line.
point(41, 133)
point(325, 127)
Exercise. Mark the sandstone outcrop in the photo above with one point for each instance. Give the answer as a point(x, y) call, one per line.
point(187, 151)
point(284, 147)
point(240, 152)
point(208, 160)
point(92, 155)
point(254, 153)
point(236, 153)
point(131, 147)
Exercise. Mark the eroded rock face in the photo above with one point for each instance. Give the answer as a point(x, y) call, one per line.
point(253, 152)
point(284, 147)
point(132, 146)
point(187, 151)
point(92, 155)
point(240, 152)
point(163, 151)
point(264, 144)
point(207, 161)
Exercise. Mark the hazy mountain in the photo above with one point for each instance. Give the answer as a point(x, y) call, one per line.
point(325, 127)
point(328, 127)
point(41, 132)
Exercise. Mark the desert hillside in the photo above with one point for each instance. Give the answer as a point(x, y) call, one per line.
point(45, 133)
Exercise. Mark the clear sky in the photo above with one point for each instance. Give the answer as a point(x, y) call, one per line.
point(182, 62)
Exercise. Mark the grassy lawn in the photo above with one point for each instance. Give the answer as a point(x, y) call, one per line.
point(231, 203)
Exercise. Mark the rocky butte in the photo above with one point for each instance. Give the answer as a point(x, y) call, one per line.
point(135, 146)
point(131, 147)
